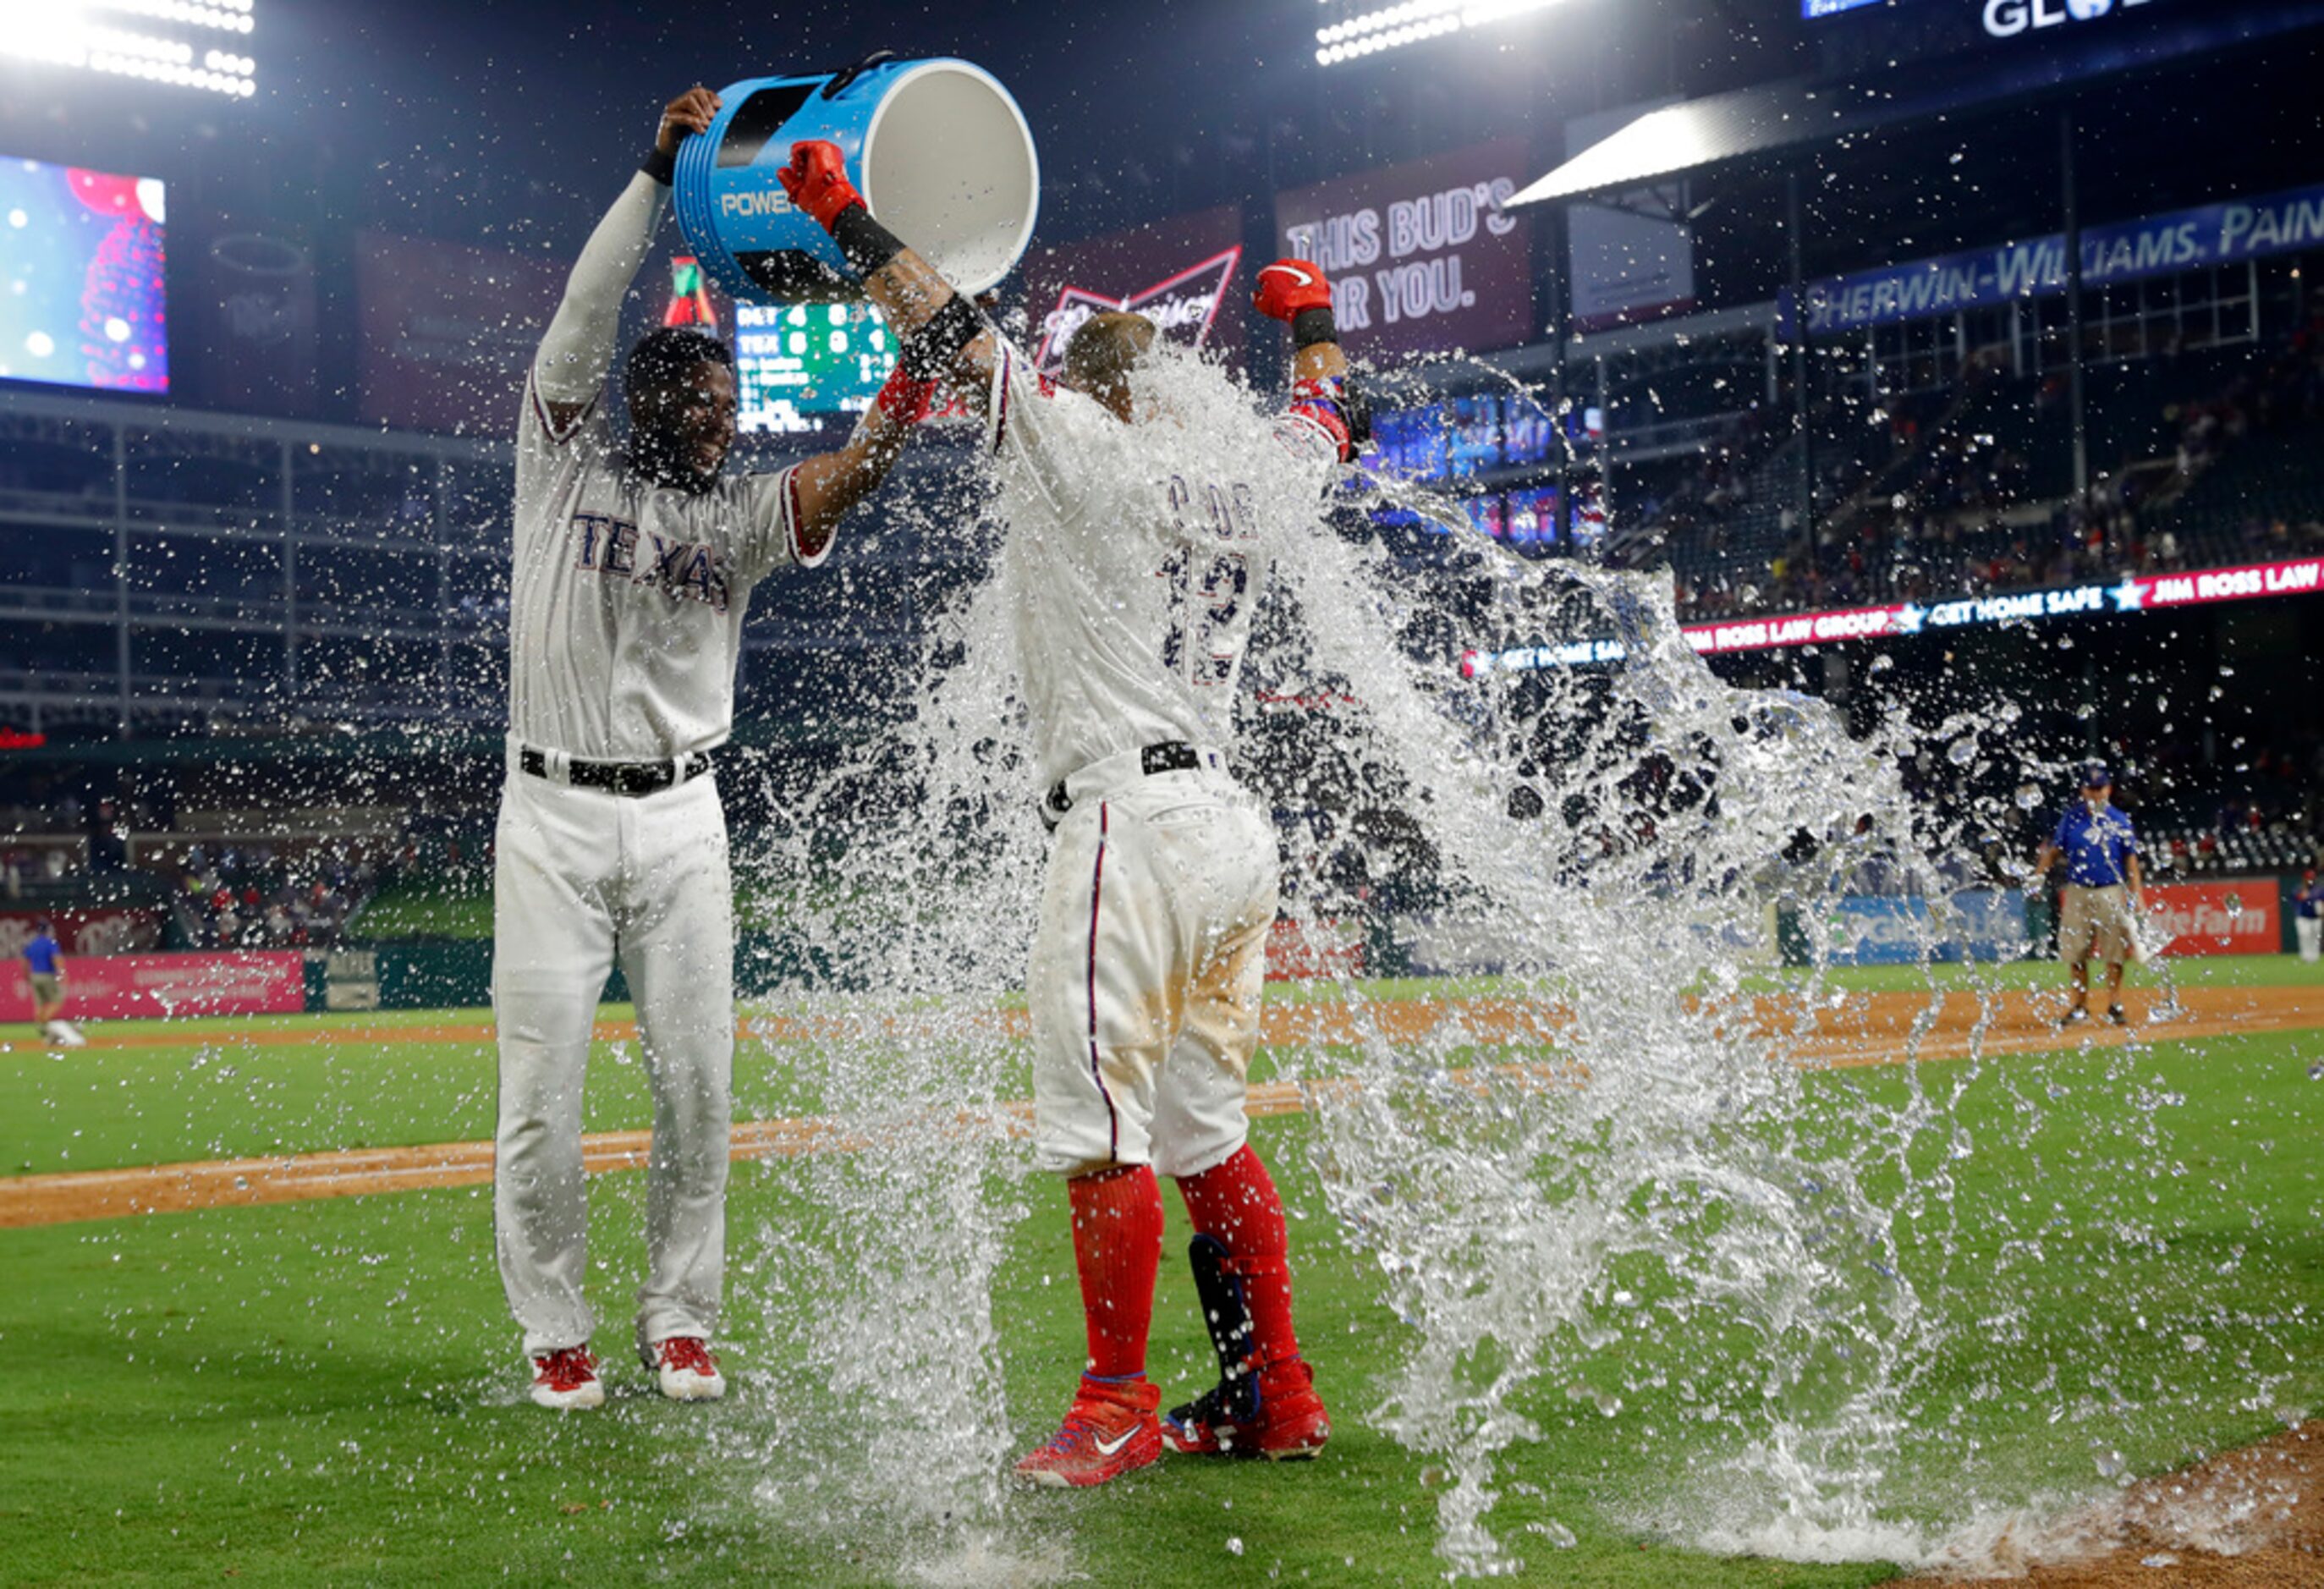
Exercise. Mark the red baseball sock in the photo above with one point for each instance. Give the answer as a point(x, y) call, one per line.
point(1117, 1247)
point(1236, 1202)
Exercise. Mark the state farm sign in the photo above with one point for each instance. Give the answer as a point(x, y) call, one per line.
point(2216, 918)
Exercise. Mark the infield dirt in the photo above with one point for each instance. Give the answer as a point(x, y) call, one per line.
point(2252, 1519)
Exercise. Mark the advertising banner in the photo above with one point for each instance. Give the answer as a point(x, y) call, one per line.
point(2235, 918)
point(1306, 951)
point(1452, 946)
point(2124, 251)
point(1878, 930)
point(112, 987)
point(113, 932)
point(1185, 273)
point(2132, 594)
point(448, 330)
point(2037, 41)
point(1421, 258)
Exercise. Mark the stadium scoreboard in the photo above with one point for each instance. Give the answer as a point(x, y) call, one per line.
point(82, 278)
point(797, 365)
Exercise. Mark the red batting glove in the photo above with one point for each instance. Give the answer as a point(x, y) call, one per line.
point(816, 181)
point(1290, 286)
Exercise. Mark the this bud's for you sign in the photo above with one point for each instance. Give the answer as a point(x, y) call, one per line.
point(1420, 255)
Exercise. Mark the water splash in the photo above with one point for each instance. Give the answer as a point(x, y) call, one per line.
point(1632, 1191)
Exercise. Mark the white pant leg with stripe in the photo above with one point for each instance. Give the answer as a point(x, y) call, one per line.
point(583, 878)
point(1146, 974)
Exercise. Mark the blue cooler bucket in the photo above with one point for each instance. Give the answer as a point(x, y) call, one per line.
point(937, 148)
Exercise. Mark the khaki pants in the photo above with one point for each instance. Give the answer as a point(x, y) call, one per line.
point(2094, 924)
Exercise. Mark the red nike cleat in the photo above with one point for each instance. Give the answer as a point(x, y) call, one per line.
point(1284, 1422)
point(684, 1369)
point(566, 1379)
point(1110, 1430)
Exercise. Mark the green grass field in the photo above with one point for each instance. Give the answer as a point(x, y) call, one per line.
point(328, 1391)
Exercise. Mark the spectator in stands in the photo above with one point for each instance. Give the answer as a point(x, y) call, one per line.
point(2102, 887)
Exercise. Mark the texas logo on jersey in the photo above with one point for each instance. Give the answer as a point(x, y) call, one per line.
point(609, 546)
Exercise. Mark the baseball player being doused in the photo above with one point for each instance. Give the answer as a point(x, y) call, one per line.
point(1138, 540)
point(633, 568)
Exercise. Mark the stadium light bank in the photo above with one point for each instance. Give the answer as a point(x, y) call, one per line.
point(1394, 26)
point(185, 43)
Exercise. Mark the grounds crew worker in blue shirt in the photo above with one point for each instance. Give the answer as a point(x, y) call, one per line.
point(44, 961)
point(2102, 883)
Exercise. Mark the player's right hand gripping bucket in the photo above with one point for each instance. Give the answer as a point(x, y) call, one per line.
point(937, 148)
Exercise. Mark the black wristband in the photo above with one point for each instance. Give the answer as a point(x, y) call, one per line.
point(863, 243)
point(928, 353)
point(1355, 407)
point(662, 168)
point(1311, 326)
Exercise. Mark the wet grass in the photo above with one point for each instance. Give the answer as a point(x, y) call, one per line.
point(2118, 1247)
point(326, 1393)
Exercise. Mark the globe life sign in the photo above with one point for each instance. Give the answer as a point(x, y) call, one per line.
point(2006, 19)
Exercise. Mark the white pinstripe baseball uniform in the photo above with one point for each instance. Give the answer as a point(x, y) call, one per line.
point(1135, 554)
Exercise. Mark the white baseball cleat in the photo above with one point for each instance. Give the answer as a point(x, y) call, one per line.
point(64, 1034)
point(566, 1380)
point(685, 1368)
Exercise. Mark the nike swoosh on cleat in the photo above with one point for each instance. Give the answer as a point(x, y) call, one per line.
point(1305, 278)
point(1107, 1448)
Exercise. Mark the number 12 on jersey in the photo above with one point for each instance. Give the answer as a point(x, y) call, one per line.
point(1210, 585)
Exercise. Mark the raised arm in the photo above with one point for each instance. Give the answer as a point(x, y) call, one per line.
point(943, 335)
point(1323, 390)
point(578, 347)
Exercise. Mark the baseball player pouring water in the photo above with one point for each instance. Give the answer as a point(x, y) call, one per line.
point(634, 566)
point(1137, 541)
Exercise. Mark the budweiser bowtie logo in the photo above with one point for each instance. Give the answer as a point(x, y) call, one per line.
point(1182, 306)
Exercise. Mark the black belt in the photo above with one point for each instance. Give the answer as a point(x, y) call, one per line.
point(621, 778)
point(1172, 755)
